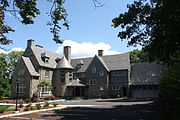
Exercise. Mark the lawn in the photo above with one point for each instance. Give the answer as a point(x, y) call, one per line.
point(4, 108)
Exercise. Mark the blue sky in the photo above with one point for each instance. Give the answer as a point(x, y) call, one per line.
point(90, 28)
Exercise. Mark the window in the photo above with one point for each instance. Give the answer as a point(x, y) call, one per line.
point(46, 73)
point(81, 75)
point(93, 69)
point(35, 77)
point(101, 73)
point(21, 88)
point(119, 73)
point(45, 89)
point(62, 76)
point(92, 82)
point(115, 87)
point(21, 72)
point(46, 60)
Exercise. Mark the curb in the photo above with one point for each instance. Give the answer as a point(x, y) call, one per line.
point(30, 112)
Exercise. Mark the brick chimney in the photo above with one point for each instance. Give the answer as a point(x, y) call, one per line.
point(67, 53)
point(100, 53)
point(30, 43)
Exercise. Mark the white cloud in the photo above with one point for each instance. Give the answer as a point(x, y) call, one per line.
point(13, 49)
point(86, 49)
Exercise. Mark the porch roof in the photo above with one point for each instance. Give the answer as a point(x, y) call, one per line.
point(75, 83)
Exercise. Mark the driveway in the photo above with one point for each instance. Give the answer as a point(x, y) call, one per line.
point(102, 109)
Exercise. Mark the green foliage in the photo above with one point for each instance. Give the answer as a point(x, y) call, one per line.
point(4, 108)
point(137, 56)
point(26, 11)
point(153, 24)
point(8, 63)
point(44, 83)
point(170, 89)
point(170, 83)
point(5, 89)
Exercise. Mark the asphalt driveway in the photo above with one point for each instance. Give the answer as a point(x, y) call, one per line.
point(102, 109)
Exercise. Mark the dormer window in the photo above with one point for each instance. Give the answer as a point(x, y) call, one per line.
point(45, 58)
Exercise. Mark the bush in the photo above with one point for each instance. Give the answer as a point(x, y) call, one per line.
point(21, 105)
point(27, 108)
point(38, 106)
point(55, 104)
point(46, 104)
point(29, 105)
point(2, 110)
point(21, 101)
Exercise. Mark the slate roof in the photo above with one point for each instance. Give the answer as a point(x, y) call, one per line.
point(145, 73)
point(30, 66)
point(63, 63)
point(111, 62)
point(52, 56)
point(102, 61)
point(86, 62)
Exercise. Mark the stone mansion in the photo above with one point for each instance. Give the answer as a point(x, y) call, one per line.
point(101, 76)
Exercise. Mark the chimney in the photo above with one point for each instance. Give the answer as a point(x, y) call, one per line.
point(30, 43)
point(67, 53)
point(100, 53)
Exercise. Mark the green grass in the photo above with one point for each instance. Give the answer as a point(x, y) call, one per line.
point(4, 108)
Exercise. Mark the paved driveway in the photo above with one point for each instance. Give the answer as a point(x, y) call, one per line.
point(102, 109)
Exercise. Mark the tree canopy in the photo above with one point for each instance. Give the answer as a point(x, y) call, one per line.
point(27, 10)
point(8, 63)
point(153, 24)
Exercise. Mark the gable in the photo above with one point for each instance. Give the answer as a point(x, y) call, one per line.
point(38, 53)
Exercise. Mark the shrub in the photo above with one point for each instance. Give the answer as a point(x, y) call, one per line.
point(55, 104)
point(21, 105)
point(33, 108)
point(38, 106)
point(21, 101)
point(29, 105)
point(27, 108)
point(46, 104)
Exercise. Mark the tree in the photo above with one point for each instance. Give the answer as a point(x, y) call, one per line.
point(8, 63)
point(137, 56)
point(27, 10)
point(153, 24)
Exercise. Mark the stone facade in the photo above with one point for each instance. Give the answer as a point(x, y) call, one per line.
point(101, 76)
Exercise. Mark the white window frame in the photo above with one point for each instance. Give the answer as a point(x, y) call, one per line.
point(21, 88)
point(45, 89)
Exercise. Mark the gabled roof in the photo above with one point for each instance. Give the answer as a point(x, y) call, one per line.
point(117, 62)
point(52, 56)
point(86, 62)
point(102, 61)
point(30, 66)
point(110, 62)
point(63, 63)
point(145, 73)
